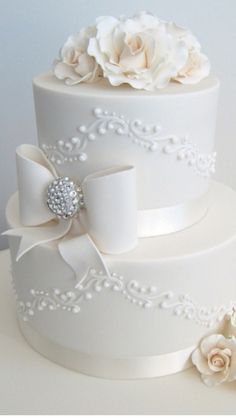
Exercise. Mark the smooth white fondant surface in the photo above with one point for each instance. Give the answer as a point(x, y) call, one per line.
point(198, 262)
point(165, 176)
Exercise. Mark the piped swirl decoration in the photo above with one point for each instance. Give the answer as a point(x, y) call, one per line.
point(146, 136)
point(147, 297)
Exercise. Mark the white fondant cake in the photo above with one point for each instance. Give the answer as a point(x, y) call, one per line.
point(123, 249)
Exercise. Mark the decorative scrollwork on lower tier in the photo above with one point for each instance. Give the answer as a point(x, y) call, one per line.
point(147, 136)
point(71, 300)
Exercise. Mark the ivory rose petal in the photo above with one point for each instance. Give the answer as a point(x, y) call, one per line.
point(212, 341)
point(196, 68)
point(74, 64)
point(215, 359)
point(201, 362)
point(140, 49)
point(197, 65)
point(214, 379)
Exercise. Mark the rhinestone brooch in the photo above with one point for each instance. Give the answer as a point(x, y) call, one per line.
point(64, 198)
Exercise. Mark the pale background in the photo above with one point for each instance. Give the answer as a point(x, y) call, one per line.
point(32, 31)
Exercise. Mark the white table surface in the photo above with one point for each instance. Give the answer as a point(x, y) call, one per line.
point(30, 384)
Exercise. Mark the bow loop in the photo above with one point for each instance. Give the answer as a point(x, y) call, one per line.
point(34, 174)
point(111, 209)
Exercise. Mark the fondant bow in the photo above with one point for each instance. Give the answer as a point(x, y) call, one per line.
point(107, 223)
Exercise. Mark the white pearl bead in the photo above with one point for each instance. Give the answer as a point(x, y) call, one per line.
point(74, 140)
point(83, 157)
point(91, 137)
point(101, 131)
point(97, 111)
point(106, 284)
point(82, 129)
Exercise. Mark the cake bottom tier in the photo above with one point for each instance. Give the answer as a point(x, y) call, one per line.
point(144, 319)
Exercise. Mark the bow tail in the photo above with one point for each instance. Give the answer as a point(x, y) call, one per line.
point(34, 236)
point(79, 251)
point(81, 254)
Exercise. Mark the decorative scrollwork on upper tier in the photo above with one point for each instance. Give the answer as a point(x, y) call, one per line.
point(147, 136)
point(147, 297)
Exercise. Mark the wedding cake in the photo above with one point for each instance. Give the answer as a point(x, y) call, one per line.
point(122, 246)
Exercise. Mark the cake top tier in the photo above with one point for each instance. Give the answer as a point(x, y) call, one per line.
point(143, 52)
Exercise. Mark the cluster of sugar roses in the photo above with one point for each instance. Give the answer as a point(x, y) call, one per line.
point(143, 51)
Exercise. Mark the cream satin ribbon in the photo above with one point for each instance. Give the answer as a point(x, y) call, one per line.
point(108, 367)
point(161, 221)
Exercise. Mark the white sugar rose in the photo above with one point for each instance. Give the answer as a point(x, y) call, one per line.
point(197, 65)
point(75, 65)
point(138, 51)
point(142, 51)
point(215, 359)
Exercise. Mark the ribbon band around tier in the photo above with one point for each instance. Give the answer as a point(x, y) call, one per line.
point(108, 367)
